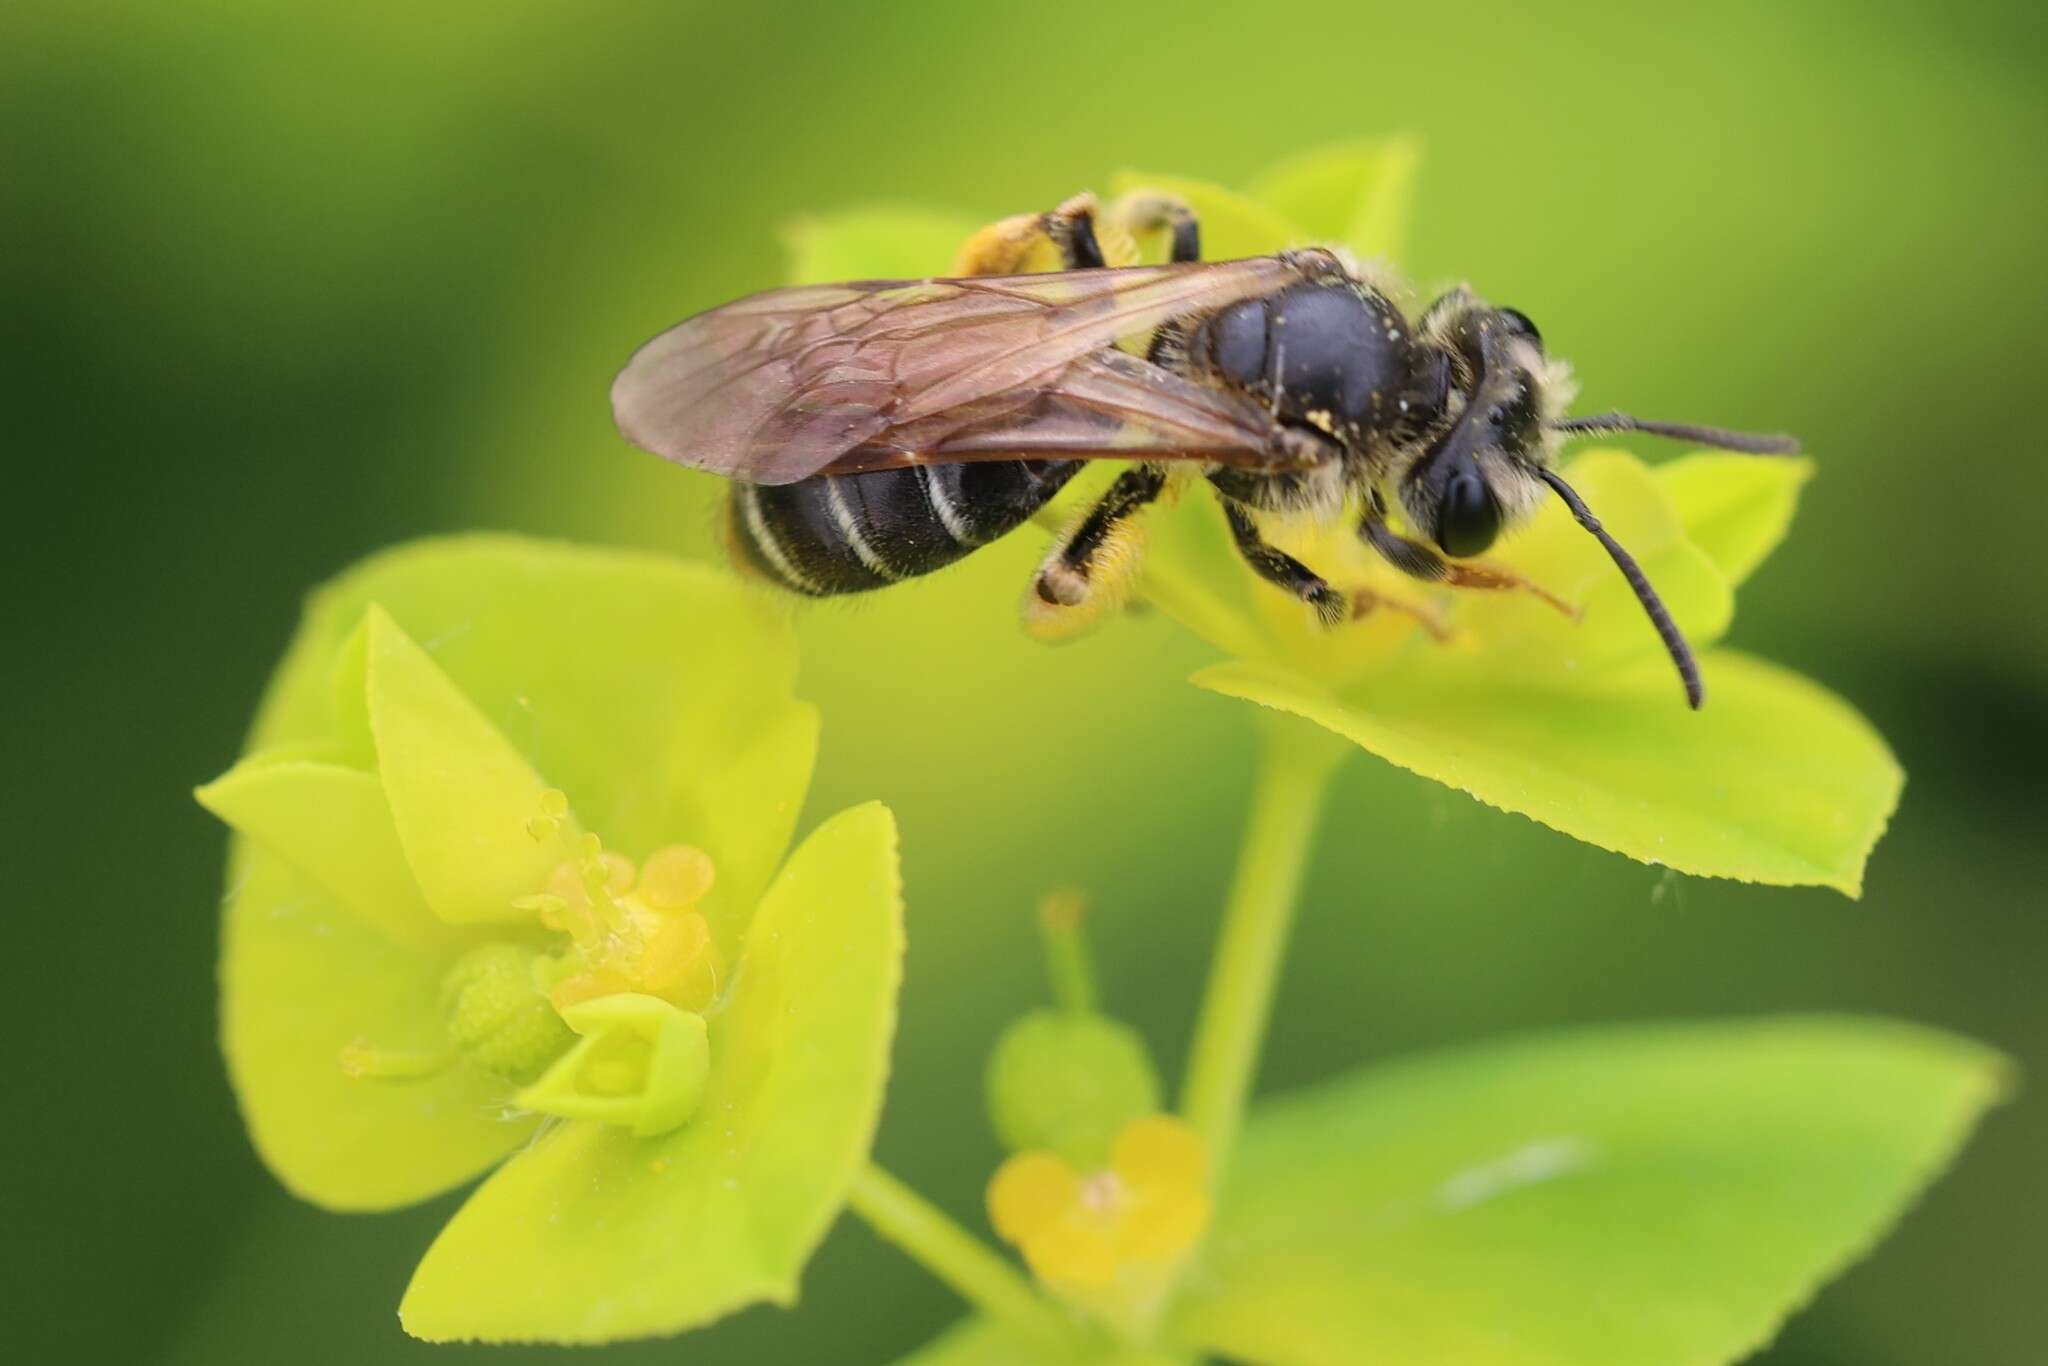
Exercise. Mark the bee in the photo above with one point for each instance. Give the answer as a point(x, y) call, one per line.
point(882, 429)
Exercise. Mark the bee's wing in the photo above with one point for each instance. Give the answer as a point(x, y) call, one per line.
point(1103, 405)
point(777, 386)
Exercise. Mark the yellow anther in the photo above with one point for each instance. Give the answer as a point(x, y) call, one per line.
point(676, 944)
point(554, 803)
point(675, 878)
point(632, 930)
point(618, 873)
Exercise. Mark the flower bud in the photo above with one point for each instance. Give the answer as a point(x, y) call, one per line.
point(1068, 1081)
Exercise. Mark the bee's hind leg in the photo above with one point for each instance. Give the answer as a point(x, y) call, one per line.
point(1102, 539)
point(1093, 565)
point(1078, 236)
point(1282, 570)
point(1026, 243)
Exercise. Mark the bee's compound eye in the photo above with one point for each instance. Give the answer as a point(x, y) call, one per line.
point(1518, 322)
point(1468, 518)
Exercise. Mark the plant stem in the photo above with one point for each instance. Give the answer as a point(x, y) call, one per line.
point(1295, 767)
point(1067, 965)
point(923, 1232)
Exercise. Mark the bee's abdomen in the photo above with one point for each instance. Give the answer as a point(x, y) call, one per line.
point(847, 533)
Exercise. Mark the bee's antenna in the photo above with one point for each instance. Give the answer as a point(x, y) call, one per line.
point(1660, 616)
point(1776, 443)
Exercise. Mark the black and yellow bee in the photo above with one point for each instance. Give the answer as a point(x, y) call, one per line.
point(882, 429)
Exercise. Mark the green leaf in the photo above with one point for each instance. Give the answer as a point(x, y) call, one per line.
point(332, 824)
point(594, 1235)
point(1776, 780)
point(303, 980)
point(1736, 508)
point(884, 243)
point(461, 796)
point(977, 1342)
point(1232, 224)
point(1641, 1196)
point(1360, 193)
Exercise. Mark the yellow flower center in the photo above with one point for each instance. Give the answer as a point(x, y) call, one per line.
point(610, 1027)
point(631, 929)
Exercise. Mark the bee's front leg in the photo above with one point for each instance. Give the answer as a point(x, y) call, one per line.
point(1422, 562)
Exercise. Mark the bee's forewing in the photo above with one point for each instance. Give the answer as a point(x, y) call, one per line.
point(778, 386)
point(1103, 405)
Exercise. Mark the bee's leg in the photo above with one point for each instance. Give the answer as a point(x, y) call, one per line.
point(1421, 562)
point(1102, 538)
point(1365, 601)
point(1026, 243)
point(1144, 212)
point(1281, 569)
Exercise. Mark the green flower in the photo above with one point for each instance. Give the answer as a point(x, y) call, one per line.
point(1564, 709)
point(428, 947)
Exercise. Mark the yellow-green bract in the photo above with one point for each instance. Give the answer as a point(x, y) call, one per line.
point(393, 809)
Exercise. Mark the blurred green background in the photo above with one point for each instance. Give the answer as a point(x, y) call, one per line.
point(286, 283)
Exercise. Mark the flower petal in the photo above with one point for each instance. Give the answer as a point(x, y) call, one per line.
point(593, 1235)
point(1637, 1196)
point(461, 796)
point(1232, 225)
point(1030, 1193)
point(301, 981)
point(1073, 1252)
point(1736, 508)
point(1776, 780)
point(333, 825)
point(1360, 193)
point(1160, 1152)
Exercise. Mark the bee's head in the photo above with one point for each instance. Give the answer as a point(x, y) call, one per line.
point(1477, 474)
point(1486, 462)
